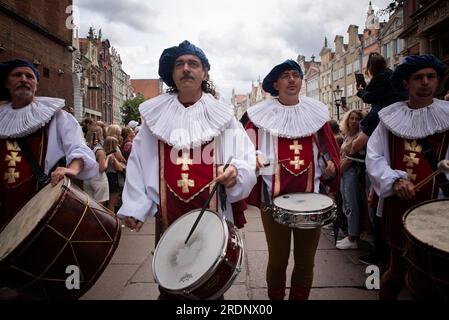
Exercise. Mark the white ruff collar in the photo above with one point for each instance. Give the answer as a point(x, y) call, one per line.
point(182, 127)
point(301, 120)
point(16, 123)
point(410, 123)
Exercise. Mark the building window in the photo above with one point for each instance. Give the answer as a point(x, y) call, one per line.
point(349, 92)
point(365, 61)
point(335, 75)
point(348, 69)
point(341, 73)
point(356, 66)
point(387, 50)
point(398, 46)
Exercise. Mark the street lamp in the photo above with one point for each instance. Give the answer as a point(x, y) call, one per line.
point(337, 100)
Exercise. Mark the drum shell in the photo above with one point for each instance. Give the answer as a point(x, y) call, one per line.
point(310, 219)
point(427, 266)
point(75, 231)
point(226, 270)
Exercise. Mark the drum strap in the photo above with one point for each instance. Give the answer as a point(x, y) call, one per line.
point(431, 158)
point(41, 177)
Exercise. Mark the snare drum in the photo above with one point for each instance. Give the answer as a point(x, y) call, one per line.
point(207, 265)
point(426, 228)
point(58, 244)
point(304, 210)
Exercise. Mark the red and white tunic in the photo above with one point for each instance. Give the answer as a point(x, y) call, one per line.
point(394, 151)
point(294, 140)
point(51, 134)
point(175, 155)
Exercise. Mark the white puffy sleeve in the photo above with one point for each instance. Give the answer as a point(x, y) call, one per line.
point(236, 143)
point(65, 139)
point(140, 195)
point(378, 165)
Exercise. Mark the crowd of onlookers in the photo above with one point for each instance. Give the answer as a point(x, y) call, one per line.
point(112, 146)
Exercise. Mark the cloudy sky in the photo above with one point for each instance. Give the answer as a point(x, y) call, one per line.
point(243, 39)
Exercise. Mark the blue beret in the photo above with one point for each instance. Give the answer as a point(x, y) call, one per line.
point(273, 75)
point(169, 55)
point(414, 63)
point(6, 68)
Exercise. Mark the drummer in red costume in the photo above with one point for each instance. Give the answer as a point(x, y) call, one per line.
point(177, 156)
point(293, 136)
point(411, 138)
point(50, 133)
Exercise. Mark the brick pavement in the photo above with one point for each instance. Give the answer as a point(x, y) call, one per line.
point(338, 274)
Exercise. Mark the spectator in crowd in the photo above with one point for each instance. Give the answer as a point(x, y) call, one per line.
point(127, 136)
point(350, 183)
point(116, 164)
point(98, 186)
point(379, 93)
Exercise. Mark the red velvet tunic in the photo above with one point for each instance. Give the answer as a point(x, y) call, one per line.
point(185, 181)
point(295, 171)
point(18, 184)
point(407, 155)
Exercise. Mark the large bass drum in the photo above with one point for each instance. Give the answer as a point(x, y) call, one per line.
point(426, 228)
point(58, 244)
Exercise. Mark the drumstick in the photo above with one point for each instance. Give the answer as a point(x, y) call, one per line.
point(279, 161)
point(443, 166)
point(427, 179)
point(355, 159)
point(206, 204)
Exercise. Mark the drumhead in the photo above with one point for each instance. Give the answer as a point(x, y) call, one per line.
point(303, 202)
point(28, 218)
point(176, 265)
point(429, 223)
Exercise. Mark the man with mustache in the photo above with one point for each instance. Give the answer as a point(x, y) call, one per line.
point(185, 137)
point(293, 128)
point(411, 138)
point(49, 132)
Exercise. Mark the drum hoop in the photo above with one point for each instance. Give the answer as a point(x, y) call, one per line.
point(425, 247)
point(308, 212)
point(413, 238)
point(196, 284)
